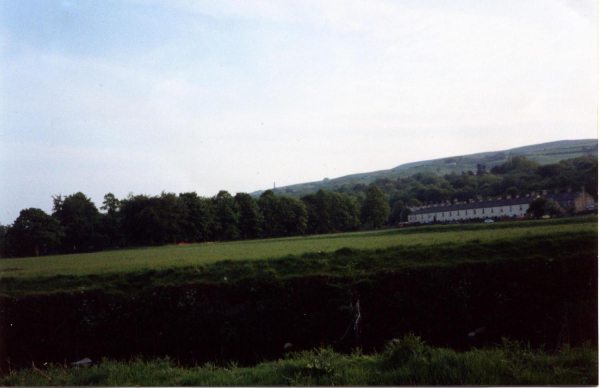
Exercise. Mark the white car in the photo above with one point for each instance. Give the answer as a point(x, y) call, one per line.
point(488, 221)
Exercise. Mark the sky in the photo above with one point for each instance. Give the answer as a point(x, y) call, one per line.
point(135, 96)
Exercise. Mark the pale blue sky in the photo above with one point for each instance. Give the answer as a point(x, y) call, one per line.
point(145, 96)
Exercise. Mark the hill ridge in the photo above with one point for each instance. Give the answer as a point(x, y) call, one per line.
point(543, 153)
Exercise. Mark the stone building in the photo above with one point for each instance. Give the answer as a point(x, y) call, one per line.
point(496, 207)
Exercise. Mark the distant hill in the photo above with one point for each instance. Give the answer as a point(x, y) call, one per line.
point(545, 153)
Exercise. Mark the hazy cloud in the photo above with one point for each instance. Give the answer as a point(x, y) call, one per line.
point(181, 95)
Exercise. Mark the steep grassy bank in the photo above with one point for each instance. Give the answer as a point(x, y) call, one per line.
point(402, 362)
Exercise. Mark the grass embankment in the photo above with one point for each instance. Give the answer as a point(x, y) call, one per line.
point(403, 362)
point(330, 255)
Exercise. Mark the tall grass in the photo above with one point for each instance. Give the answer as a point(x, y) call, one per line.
point(408, 361)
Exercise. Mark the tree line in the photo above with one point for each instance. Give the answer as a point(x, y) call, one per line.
point(516, 176)
point(77, 225)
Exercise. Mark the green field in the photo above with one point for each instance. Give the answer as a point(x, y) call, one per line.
point(343, 255)
point(177, 256)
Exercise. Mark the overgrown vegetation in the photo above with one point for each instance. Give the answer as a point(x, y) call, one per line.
point(408, 361)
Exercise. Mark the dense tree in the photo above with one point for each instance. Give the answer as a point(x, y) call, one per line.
point(553, 209)
point(331, 212)
point(251, 220)
point(110, 222)
point(227, 216)
point(537, 207)
point(541, 206)
point(346, 212)
point(197, 222)
point(151, 220)
point(170, 213)
point(33, 233)
point(80, 219)
point(140, 223)
point(3, 230)
point(375, 210)
point(293, 215)
point(269, 207)
point(110, 204)
point(282, 215)
point(396, 213)
point(319, 212)
point(405, 213)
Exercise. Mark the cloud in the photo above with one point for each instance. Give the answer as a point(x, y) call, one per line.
point(235, 95)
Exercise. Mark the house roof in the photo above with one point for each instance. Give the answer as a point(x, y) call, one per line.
point(560, 197)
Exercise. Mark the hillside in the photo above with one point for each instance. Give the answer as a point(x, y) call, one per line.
point(544, 153)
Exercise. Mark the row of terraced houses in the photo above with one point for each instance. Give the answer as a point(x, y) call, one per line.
point(498, 207)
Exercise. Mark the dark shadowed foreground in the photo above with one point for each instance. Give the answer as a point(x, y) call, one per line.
point(536, 289)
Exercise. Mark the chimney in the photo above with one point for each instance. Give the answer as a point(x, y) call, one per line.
point(544, 192)
point(569, 189)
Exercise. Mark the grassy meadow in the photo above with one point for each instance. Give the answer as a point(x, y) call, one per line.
point(177, 256)
point(334, 254)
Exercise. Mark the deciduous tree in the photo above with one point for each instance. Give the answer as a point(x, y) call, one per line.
point(375, 209)
point(33, 233)
point(251, 221)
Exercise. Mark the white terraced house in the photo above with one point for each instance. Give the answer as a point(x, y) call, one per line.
point(495, 208)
